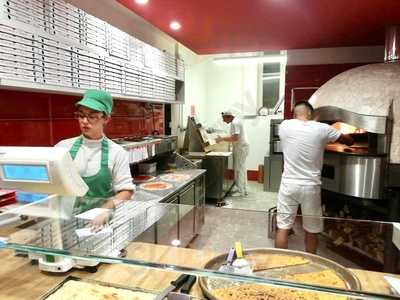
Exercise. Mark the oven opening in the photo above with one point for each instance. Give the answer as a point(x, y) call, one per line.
point(364, 142)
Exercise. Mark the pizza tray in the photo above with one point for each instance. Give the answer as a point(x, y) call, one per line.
point(316, 263)
point(179, 177)
point(69, 278)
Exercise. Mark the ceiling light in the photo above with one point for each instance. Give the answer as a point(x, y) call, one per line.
point(174, 25)
point(266, 59)
point(142, 2)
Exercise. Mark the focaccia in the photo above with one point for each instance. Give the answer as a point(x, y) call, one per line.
point(262, 292)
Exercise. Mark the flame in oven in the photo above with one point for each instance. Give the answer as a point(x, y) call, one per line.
point(347, 128)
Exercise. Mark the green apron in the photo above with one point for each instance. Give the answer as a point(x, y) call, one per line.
point(100, 184)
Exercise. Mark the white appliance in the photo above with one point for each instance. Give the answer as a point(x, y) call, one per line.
point(40, 170)
point(47, 177)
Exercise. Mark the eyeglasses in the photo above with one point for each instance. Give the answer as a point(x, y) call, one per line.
point(92, 118)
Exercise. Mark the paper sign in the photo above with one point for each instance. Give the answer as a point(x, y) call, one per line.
point(85, 232)
point(92, 213)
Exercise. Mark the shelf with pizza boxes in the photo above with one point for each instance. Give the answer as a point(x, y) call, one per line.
point(56, 47)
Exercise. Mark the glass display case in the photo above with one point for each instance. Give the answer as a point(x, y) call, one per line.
point(48, 248)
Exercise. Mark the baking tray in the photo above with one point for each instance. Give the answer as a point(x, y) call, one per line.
point(317, 263)
point(69, 278)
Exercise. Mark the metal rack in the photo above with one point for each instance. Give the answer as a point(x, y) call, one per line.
point(131, 218)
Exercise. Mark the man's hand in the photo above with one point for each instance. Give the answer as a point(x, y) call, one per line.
point(99, 221)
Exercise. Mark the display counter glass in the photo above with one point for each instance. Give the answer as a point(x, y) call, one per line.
point(144, 244)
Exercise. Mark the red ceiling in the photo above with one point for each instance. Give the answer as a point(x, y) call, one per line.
point(222, 26)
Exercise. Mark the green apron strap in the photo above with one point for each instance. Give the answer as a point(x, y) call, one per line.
point(104, 153)
point(75, 147)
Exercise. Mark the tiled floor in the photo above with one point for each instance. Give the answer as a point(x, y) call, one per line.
point(245, 219)
point(256, 199)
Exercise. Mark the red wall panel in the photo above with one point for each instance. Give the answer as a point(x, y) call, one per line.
point(309, 76)
point(40, 119)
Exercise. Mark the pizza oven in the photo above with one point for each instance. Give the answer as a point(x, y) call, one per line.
point(364, 102)
point(358, 170)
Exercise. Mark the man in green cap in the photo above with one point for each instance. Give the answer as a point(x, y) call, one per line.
point(102, 164)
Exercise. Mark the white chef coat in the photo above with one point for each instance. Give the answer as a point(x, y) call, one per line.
point(240, 153)
point(88, 160)
point(237, 128)
point(303, 145)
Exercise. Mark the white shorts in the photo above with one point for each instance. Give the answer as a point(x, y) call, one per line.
point(290, 196)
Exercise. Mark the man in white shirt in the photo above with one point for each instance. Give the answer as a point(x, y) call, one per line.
point(303, 143)
point(102, 164)
point(238, 138)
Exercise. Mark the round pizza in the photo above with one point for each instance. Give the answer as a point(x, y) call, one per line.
point(175, 177)
point(156, 186)
point(143, 178)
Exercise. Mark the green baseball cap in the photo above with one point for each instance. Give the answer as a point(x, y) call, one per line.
point(97, 100)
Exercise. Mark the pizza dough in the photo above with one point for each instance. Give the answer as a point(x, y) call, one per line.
point(261, 262)
point(156, 186)
point(262, 292)
point(80, 290)
point(175, 177)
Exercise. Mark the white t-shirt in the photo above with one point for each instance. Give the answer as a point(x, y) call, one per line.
point(88, 160)
point(303, 145)
point(237, 128)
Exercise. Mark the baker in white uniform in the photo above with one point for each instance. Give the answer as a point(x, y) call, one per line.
point(303, 143)
point(238, 138)
point(102, 164)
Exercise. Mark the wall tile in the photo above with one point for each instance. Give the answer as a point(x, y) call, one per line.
point(63, 106)
point(25, 133)
point(39, 119)
point(23, 105)
point(64, 129)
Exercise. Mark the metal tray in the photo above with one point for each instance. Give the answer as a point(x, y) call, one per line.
point(317, 263)
point(69, 278)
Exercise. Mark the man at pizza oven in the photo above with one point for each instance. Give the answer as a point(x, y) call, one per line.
point(303, 144)
point(102, 164)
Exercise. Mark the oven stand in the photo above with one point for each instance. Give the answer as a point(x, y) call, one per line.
point(391, 252)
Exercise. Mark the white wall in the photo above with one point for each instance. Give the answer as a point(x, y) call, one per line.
point(233, 87)
point(237, 88)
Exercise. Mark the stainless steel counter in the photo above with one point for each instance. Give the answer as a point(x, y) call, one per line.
point(218, 182)
point(179, 211)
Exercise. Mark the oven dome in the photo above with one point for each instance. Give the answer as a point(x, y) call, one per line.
point(370, 90)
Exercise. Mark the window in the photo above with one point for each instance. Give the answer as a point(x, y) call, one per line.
point(273, 86)
point(271, 81)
